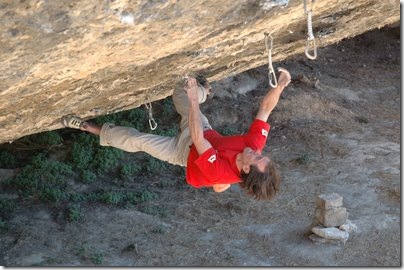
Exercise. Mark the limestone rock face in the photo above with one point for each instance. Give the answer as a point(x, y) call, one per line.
point(97, 57)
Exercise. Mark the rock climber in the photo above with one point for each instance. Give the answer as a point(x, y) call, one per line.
point(211, 160)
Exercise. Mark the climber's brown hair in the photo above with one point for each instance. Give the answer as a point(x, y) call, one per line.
point(261, 185)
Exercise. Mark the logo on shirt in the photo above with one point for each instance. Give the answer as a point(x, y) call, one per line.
point(212, 158)
point(264, 133)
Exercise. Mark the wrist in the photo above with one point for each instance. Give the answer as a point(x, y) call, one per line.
point(193, 100)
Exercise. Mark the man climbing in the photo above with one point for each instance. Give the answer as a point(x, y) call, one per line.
point(212, 160)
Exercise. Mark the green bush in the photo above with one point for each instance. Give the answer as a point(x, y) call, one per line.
point(168, 107)
point(304, 158)
point(7, 160)
point(43, 178)
point(88, 177)
point(153, 165)
point(53, 194)
point(6, 207)
point(146, 195)
point(128, 171)
point(46, 138)
point(137, 114)
point(86, 139)
point(93, 159)
point(77, 197)
point(46, 180)
point(74, 213)
point(82, 155)
point(97, 258)
point(112, 197)
point(121, 198)
point(50, 170)
point(83, 150)
point(106, 159)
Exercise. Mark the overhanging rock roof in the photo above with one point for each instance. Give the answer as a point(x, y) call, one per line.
point(97, 57)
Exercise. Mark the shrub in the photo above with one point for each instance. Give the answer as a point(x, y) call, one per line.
point(304, 158)
point(137, 114)
point(7, 160)
point(82, 155)
point(106, 159)
point(77, 197)
point(53, 194)
point(88, 177)
point(46, 138)
point(97, 258)
point(146, 195)
point(153, 165)
point(42, 177)
point(168, 107)
point(128, 171)
point(112, 197)
point(74, 213)
point(121, 198)
point(86, 139)
point(6, 207)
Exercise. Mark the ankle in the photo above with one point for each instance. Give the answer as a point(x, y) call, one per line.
point(84, 126)
point(91, 128)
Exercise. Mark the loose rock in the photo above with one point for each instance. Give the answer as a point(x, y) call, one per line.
point(332, 217)
point(331, 233)
point(348, 227)
point(315, 238)
point(328, 201)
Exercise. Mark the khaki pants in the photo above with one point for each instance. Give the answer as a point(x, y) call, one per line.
point(174, 150)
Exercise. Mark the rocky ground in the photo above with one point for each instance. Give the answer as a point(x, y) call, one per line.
point(336, 130)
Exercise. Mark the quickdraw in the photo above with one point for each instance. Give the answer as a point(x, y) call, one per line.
point(311, 41)
point(271, 71)
point(152, 122)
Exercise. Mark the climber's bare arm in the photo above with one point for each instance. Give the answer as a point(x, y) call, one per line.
point(272, 97)
point(195, 123)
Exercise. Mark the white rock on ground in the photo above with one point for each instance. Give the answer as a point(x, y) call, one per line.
point(348, 227)
point(331, 233)
point(315, 238)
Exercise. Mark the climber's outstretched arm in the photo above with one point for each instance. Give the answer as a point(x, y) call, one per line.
point(272, 97)
point(195, 123)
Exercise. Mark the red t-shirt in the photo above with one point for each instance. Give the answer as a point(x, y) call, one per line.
point(217, 165)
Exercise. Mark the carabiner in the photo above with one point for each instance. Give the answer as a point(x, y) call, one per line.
point(152, 123)
point(310, 42)
point(272, 75)
point(271, 71)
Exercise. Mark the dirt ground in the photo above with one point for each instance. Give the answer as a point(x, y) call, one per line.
point(336, 129)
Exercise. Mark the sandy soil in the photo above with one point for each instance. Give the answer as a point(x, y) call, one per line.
point(336, 129)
